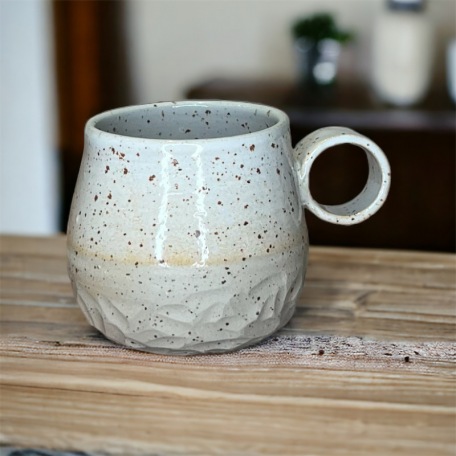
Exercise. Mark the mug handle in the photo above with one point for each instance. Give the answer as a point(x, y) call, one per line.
point(373, 194)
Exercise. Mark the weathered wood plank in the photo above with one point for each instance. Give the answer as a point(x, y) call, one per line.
point(366, 366)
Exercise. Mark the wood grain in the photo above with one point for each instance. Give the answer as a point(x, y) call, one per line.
point(366, 366)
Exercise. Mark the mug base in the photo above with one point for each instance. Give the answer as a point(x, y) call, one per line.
point(214, 347)
point(258, 301)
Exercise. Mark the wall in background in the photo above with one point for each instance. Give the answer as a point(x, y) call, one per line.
point(171, 45)
point(29, 195)
point(176, 43)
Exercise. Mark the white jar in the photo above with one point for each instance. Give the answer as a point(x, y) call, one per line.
point(451, 68)
point(402, 52)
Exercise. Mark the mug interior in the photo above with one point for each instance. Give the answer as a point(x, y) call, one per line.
point(182, 121)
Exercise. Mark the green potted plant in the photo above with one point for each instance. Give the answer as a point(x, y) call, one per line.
point(318, 41)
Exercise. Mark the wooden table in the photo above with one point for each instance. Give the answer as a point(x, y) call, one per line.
point(365, 367)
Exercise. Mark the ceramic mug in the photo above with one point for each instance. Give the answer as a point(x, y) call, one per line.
point(187, 234)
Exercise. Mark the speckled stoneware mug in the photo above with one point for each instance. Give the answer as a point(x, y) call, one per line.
point(186, 233)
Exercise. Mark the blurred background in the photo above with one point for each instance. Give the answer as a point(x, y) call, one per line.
point(383, 67)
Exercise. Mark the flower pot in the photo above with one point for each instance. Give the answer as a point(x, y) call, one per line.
point(317, 61)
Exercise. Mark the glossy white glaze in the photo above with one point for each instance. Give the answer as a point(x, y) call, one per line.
point(186, 232)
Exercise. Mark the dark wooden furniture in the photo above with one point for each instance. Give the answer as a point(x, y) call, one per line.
point(419, 142)
point(91, 75)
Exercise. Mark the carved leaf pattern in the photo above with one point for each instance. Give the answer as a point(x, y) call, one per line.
point(233, 320)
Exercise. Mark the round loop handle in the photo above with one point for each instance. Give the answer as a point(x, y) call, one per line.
point(373, 194)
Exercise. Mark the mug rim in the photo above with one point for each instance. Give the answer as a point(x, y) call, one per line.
point(92, 129)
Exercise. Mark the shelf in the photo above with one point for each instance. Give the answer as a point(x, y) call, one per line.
point(351, 105)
